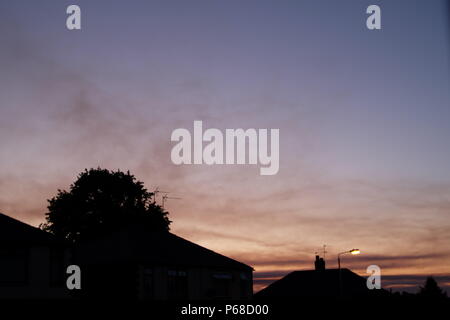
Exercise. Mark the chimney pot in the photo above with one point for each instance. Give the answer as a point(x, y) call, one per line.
point(319, 264)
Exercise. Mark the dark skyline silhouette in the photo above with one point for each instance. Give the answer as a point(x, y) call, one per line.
point(135, 262)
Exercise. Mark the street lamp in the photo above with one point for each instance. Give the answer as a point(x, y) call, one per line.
point(354, 252)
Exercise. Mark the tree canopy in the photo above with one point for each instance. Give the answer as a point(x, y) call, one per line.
point(100, 201)
point(431, 289)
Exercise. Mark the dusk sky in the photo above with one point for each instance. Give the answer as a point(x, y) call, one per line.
point(364, 119)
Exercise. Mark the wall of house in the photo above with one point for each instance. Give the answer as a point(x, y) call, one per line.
point(178, 283)
point(39, 273)
point(25, 273)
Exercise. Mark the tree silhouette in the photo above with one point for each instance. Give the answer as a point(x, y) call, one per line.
point(100, 201)
point(431, 290)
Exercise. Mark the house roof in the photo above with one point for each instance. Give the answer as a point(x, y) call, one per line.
point(316, 283)
point(15, 232)
point(136, 243)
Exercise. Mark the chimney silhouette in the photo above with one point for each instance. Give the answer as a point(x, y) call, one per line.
point(319, 264)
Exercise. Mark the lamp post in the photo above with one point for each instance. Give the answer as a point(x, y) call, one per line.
point(354, 252)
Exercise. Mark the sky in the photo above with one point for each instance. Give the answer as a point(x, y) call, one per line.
point(363, 118)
